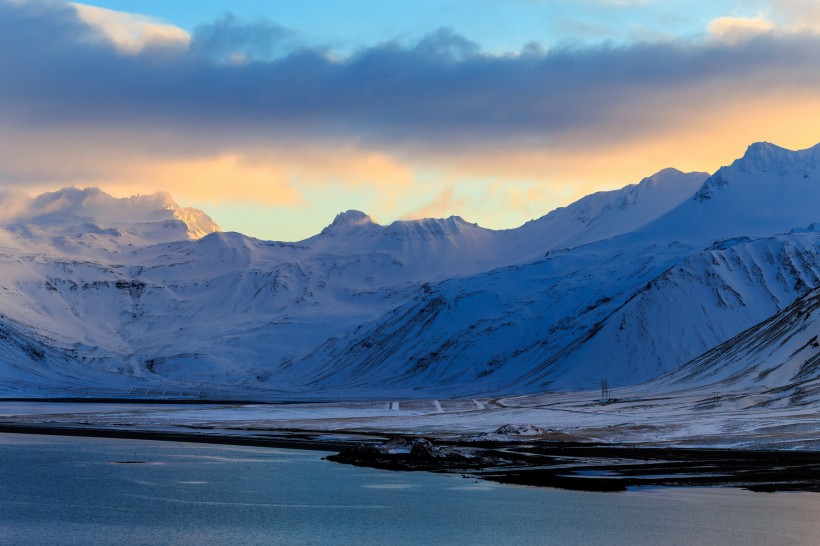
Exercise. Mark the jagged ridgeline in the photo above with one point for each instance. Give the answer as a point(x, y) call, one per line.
point(104, 296)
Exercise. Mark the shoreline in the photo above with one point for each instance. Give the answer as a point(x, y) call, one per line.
point(287, 439)
point(557, 464)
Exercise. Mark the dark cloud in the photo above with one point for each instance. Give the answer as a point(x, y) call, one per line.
point(446, 44)
point(442, 92)
point(230, 38)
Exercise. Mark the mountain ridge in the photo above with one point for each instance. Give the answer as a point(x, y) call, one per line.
point(621, 285)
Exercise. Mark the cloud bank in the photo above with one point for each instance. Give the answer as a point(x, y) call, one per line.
point(76, 104)
point(439, 91)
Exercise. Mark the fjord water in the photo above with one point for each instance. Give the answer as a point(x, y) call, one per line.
point(56, 490)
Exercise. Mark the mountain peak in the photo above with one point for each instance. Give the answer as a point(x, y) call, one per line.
point(668, 172)
point(433, 228)
point(770, 190)
point(78, 212)
point(766, 160)
point(762, 155)
point(352, 218)
point(763, 149)
point(349, 219)
point(665, 179)
point(766, 157)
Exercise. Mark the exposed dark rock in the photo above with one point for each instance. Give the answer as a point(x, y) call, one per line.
point(409, 454)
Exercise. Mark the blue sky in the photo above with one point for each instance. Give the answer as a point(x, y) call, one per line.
point(275, 116)
point(499, 25)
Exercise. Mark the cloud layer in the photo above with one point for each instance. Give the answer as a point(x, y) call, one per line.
point(443, 90)
point(75, 102)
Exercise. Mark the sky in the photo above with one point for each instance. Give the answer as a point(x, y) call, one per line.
point(273, 116)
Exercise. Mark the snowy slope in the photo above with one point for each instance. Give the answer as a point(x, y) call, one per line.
point(33, 365)
point(606, 214)
point(781, 353)
point(773, 365)
point(693, 306)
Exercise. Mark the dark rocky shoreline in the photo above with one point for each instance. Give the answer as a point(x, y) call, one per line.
point(599, 467)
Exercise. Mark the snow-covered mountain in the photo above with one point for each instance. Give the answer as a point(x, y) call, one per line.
point(143, 296)
point(423, 249)
point(88, 222)
point(623, 315)
point(623, 309)
point(606, 214)
point(437, 249)
point(769, 190)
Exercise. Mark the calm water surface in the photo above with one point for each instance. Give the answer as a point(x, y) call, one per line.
point(107, 491)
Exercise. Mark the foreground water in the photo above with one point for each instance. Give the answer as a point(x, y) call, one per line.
point(56, 490)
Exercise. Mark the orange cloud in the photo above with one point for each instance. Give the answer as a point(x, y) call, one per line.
point(129, 32)
point(733, 29)
point(213, 179)
point(41, 160)
point(796, 14)
point(496, 186)
point(272, 177)
point(442, 205)
point(699, 129)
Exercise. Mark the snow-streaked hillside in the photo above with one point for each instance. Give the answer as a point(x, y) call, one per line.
point(625, 315)
point(622, 285)
point(778, 358)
